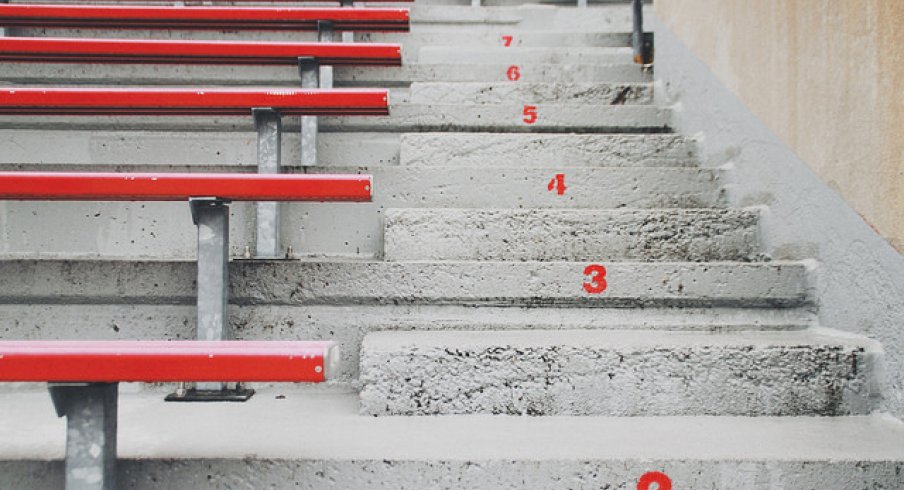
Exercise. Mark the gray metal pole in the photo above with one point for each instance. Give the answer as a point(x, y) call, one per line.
point(269, 142)
point(212, 217)
point(91, 412)
point(310, 78)
point(325, 34)
point(582, 3)
point(637, 33)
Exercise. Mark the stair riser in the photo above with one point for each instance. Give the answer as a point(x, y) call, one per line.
point(463, 55)
point(629, 284)
point(570, 235)
point(390, 474)
point(483, 150)
point(629, 381)
point(528, 150)
point(403, 118)
point(287, 76)
point(512, 93)
point(347, 326)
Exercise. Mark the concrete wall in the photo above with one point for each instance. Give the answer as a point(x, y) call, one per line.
point(827, 76)
point(858, 276)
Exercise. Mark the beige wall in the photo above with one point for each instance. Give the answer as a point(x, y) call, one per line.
point(827, 76)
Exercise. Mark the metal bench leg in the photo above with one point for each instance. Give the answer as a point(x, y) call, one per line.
point(309, 69)
point(212, 217)
point(90, 411)
point(269, 141)
point(325, 34)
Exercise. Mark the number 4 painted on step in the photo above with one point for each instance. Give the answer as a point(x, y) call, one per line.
point(557, 183)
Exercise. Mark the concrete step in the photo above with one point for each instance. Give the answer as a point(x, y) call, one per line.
point(127, 149)
point(618, 373)
point(165, 231)
point(611, 18)
point(347, 325)
point(422, 35)
point(481, 55)
point(700, 235)
point(287, 76)
point(317, 441)
point(542, 93)
point(526, 150)
point(279, 282)
point(508, 118)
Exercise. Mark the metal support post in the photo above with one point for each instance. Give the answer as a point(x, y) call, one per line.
point(475, 3)
point(347, 36)
point(325, 33)
point(269, 142)
point(3, 29)
point(582, 3)
point(211, 215)
point(90, 411)
point(637, 37)
point(309, 70)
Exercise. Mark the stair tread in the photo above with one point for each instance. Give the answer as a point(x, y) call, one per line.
point(310, 425)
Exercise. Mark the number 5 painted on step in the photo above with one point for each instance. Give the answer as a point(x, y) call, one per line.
point(597, 282)
point(530, 115)
point(662, 481)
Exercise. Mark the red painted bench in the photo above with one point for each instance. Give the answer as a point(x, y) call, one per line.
point(202, 17)
point(154, 361)
point(56, 50)
point(191, 102)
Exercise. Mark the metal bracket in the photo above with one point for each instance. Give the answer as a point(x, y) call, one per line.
point(325, 34)
point(224, 394)
point(269, 157)
point(309, 69)
point(91, 417)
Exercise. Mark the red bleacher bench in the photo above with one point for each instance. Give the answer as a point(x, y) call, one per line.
point(202, 17)
point(56, 50)
point(155, 361)
point(190, 102)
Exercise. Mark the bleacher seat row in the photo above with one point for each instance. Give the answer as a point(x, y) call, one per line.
point(84, 375)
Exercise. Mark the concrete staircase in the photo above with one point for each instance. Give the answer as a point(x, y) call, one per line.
point(474, 355)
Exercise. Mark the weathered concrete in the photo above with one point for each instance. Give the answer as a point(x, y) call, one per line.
point(542, 93)
point(403, 118)
point(344, 76)
point(347, 325)
point(859, 275)
point(124, 149)
point(631, 284)
point(478, 55)
point(570, 235)
point(617, 373)
point(528, 150)
point(309, 441)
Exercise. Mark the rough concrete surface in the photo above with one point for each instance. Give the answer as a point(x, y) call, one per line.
point(617, 373)
point(277, 282)
point(402, 118)
point(304, 440)
point(528, 150)
point(521, 55)
point(570, 235)
point(502, 93)
point(858, 276)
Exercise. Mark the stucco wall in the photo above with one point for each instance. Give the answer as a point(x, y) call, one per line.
point(826, 76)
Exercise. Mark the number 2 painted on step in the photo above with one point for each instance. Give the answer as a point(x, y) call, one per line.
point(513, 73)
point(596, 283)
point(530, 115)
point(507, 40)
point(662, 481)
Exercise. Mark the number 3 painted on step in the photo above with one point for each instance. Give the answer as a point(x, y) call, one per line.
point(530, 115)
point(596, 284)
point(662, 481)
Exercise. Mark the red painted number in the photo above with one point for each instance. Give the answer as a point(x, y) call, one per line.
point(507, 40)
point(557, 183)
point(596, 284)
point(661, 480)
point(513, 73)
point(530, 114)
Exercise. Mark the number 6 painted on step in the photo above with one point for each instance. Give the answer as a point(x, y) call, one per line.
point(662, 481)
point(597, 283)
